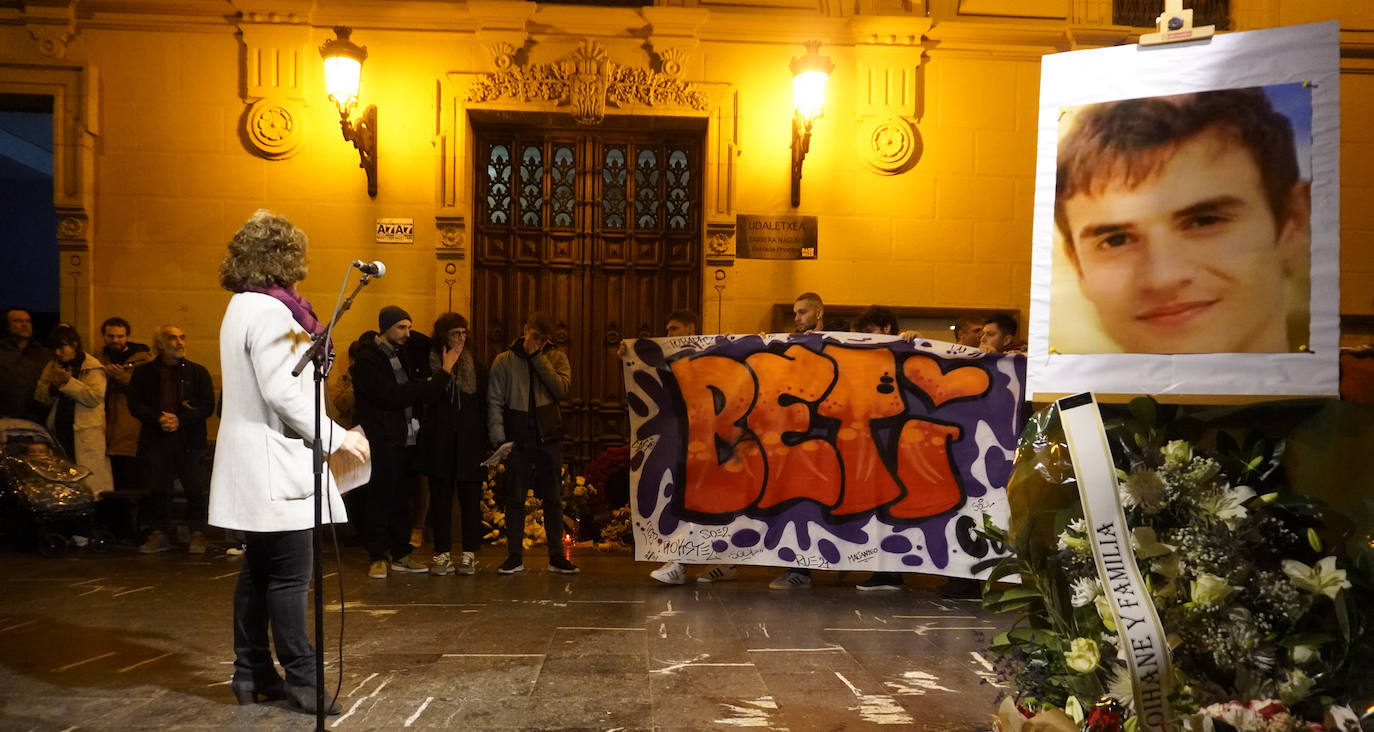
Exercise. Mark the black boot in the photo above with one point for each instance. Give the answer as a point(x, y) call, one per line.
point(302, 699)
point(251, 692)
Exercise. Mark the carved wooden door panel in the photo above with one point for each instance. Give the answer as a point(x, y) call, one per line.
point(601, 230)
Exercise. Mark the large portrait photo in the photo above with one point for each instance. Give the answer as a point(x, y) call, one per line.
point(1182, 223)
point(1185, 240)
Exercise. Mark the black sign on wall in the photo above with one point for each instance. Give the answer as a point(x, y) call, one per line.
point(775, 237)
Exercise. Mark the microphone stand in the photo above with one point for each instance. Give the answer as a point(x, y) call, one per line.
point(318, 354)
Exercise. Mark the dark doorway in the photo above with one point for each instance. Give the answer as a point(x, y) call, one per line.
point(28, 234)
point(600, 228)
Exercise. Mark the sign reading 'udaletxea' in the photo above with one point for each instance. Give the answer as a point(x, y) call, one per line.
point(775, 237)
point(395, 231)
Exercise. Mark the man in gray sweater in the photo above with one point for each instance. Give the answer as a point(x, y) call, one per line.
point(527, 380)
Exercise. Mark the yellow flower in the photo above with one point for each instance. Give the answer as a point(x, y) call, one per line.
point(1077, 543)
point(1082, 655)
point(1147, 544)
point(1303, 655)
point(1297, 686)
point(581, 480)
point(1074, 709)
point(1209, 589)
point(1178, 452)
point(1104, 611)
point(1323, 579)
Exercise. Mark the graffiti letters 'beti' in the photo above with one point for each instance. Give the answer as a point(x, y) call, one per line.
point(780, 425)
point(819, 450)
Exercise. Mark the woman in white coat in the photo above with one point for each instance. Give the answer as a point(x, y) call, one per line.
point(74, 384)
point(263, 481)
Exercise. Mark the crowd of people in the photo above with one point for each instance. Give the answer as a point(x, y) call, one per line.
point(431, 411)
point(432, 418)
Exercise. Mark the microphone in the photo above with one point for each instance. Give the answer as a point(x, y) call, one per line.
point(375, 269)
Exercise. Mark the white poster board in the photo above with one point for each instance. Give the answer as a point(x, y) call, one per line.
point(1186, 232)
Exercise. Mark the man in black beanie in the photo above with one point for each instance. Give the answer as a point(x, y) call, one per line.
point(385, 396)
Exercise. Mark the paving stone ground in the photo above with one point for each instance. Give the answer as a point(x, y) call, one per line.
point(119, 640)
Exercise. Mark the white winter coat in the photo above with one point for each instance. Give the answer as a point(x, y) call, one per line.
point(86, 387)
point(263, 478)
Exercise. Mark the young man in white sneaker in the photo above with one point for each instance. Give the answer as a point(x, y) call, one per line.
point(684, 323)
point(526, 382)
point(808, 314)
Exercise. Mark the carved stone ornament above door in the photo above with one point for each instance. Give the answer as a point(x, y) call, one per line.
point(588, 81)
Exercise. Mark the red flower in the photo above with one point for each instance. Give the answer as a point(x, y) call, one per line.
point(1104, 720)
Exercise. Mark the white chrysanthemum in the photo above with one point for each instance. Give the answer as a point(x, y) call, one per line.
point(1078, 526)
point(1119, 688)
point(1144, 489)
point(1085, 590)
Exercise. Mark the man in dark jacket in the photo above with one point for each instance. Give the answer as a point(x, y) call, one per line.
point(386, 397)
point(526, 382)
point(21, 361)
point(120, 357)
point(172, 397)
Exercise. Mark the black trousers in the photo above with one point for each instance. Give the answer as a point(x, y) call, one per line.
point(165, 461)
point(272, 591)
point(537, 467)
point(441, 493)
point(388, 504)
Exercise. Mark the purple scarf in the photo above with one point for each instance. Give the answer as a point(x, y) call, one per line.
point(301, 311)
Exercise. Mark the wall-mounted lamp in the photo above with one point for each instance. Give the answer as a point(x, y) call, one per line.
point(809, 74)
point(343, 71)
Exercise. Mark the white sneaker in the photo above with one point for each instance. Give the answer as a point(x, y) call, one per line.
point(468, 563)
point(719, 573)
point(671, 573)
point(442, 565)
point(791, 579)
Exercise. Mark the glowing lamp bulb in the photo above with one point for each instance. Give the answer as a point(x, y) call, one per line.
point(808, 93)
point(341, 78)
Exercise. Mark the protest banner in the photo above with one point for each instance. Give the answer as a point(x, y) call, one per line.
point(822, 450)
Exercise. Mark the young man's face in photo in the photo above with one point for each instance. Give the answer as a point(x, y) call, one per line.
point(1190, 260)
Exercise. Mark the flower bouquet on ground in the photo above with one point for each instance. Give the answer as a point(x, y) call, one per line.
point(1260, 570)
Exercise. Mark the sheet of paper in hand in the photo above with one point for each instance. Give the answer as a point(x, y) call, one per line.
point(349, 472)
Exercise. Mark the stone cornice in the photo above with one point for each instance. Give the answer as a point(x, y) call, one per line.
point(1027, 38)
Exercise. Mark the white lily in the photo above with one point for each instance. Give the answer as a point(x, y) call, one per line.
point(1323, 579)
point(1228, 504)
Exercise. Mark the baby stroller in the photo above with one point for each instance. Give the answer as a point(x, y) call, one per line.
point(44, 499)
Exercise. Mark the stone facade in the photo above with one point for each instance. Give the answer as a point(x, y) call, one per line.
point(175, 125)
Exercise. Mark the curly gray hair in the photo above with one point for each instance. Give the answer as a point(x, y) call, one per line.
point(267, 250)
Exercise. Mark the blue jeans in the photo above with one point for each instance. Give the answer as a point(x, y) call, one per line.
point(272, 591)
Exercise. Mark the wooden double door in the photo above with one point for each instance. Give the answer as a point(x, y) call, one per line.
point(601, 229)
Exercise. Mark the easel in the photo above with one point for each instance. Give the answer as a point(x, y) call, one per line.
point(1176, 25)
